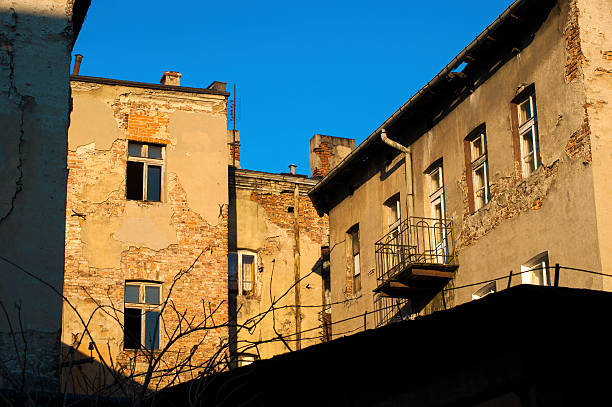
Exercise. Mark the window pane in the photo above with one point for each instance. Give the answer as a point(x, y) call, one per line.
point(232, 260)
point(435, 181)
point(479, 177)
point(131, 328)
point(134, 149)
point(151, 330)
point(153, 183)
point(132, 293)
point(355, 242)
point(525, 112)
point(133, 182)
point(151, 294)
point(248, 268)
point(155, 151)
point(528, 142)
point(478, 147)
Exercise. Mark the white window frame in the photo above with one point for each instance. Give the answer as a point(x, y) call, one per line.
point(393, 219)
point(157, 162)
point(529, 124)
point(485, 290)
point(356, 277)
point(144, 307)
point(239, 278)
point(480, 162)
point(538, 264)
point(245, 359)
point(436, 197)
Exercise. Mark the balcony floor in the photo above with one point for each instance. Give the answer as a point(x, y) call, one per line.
point(417, 279)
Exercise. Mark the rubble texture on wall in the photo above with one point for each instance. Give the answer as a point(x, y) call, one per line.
point(110, 239)
point(264, 206)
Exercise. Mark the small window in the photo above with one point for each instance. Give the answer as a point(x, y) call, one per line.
point(393, 212)
point(537, 270)
point(527, 132)
point(144, 171)
point(141, 315)
point(485, 290)
point(353, 238)
point(477, 164)
point(242, 277)
point(245, 359)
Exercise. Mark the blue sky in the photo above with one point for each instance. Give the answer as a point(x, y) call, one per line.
point(329, 67)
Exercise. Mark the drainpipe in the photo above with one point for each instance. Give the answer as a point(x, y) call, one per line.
point(408, 161)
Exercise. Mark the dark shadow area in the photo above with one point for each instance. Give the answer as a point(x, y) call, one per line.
point(524, 346)
point(232, 292)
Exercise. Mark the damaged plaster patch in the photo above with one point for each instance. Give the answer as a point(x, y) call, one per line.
point(146, 225)
point(199, 161)
point(91, 121)
point(509, 198)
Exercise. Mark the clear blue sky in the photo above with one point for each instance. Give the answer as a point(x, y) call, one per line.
point(330, 67)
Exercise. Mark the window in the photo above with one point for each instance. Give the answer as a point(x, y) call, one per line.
point(353, 242)
point(477, 164)
point(528, 144)
point(536, 271)
point(242, 276)
point(245, 359)
point(145, 169)
point(437, 250)
point(393, 212)
point(485, 290)
point(141, 315)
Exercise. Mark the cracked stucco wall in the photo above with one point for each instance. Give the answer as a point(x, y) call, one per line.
point(562, 208)
point(264, 225)
point(595, 22)
point(110, 239)
point(35, 43)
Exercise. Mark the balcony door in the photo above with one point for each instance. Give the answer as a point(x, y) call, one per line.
point(438, 241)
point(393, 215)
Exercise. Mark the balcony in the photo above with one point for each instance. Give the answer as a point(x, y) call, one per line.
point(416, 259)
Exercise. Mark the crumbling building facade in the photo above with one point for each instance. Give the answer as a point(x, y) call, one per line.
point(498, 164)
point(146, 231)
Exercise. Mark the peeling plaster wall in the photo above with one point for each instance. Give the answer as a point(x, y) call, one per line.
point(110, 240)
point(35, 43)
point(552, 210)
point(595, 22)
point(260, 203)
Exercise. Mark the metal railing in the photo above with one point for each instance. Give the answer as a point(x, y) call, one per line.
point(414, 240)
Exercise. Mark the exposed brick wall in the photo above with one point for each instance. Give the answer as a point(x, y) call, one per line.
point(510, 196)
point(201, 290)
point(324, 151)
point(579, 143)
point(573, 47)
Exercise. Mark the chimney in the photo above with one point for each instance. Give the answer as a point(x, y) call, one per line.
point(326, 152)
point(217, 85)
point(233, 146)
point(171, 78)
point(292, 168)
point(77, 64)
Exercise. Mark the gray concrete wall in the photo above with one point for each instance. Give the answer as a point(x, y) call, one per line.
point(35, 43)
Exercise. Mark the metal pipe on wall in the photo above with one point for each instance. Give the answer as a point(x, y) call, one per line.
point(408, 162)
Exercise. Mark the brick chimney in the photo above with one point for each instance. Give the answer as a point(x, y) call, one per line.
point(326, 152)
point(171, 78)
point(233, 147)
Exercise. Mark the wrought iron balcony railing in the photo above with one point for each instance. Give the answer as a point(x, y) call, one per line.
point(423, 242)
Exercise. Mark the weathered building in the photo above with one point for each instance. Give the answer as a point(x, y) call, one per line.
point(146, 231)
point(36, 37)
point(279, 268)
point(499, 163)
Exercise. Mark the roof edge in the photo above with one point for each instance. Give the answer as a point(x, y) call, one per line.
point(145, 85)
point(454, 63)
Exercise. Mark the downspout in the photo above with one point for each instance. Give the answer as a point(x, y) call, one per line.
point(408, 162)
